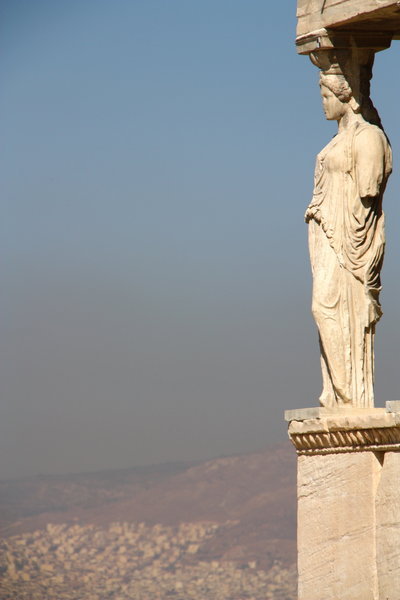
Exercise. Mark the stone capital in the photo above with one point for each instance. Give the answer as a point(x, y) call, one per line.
point(346, 34)
point(328, 40)
point(321, 431)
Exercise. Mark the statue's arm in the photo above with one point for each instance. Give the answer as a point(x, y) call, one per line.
point(369, 154)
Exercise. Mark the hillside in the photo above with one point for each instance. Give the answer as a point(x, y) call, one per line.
point(238, 513)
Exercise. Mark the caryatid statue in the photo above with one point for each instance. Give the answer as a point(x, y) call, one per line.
point(346, 231)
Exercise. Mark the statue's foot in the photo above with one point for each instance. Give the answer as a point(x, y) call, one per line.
point(327, 400)
point(345, 402)
point(343, 398)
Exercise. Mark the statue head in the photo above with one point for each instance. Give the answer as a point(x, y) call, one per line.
point(350, 84)
point(337, 96)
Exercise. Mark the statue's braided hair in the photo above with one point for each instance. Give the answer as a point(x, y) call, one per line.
point(339, 85)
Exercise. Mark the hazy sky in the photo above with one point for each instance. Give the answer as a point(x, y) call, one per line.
point(157, 159)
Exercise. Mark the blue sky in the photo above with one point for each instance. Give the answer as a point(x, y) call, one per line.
point(155, 285)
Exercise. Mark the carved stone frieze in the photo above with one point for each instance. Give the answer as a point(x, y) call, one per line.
point(345, 431)
point(358, 440)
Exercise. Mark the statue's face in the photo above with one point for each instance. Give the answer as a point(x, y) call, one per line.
point(334, 109)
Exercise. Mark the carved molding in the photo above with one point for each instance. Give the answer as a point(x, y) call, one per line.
point(330, 39)
point(356, 440)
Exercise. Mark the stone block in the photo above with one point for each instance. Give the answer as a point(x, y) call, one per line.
point(318, 412)
point(354, 14)
point(393, 406)
point(387, 504)
point(336, 526)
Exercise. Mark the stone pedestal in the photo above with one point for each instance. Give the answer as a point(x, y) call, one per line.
point(348, 502)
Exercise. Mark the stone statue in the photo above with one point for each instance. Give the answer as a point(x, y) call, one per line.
point(347, 239)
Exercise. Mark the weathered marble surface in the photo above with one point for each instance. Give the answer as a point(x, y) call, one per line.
point(324, 431)
point(349, 526)
point(387, 505)
point(349, 452)
point(318, 412)
point(348, 502)
point(336, 526)
point(351, 14)
point(346, 230)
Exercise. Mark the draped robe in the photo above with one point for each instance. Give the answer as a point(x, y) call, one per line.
point(346, 242)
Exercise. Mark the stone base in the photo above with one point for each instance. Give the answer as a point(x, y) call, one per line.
point(348, 503)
